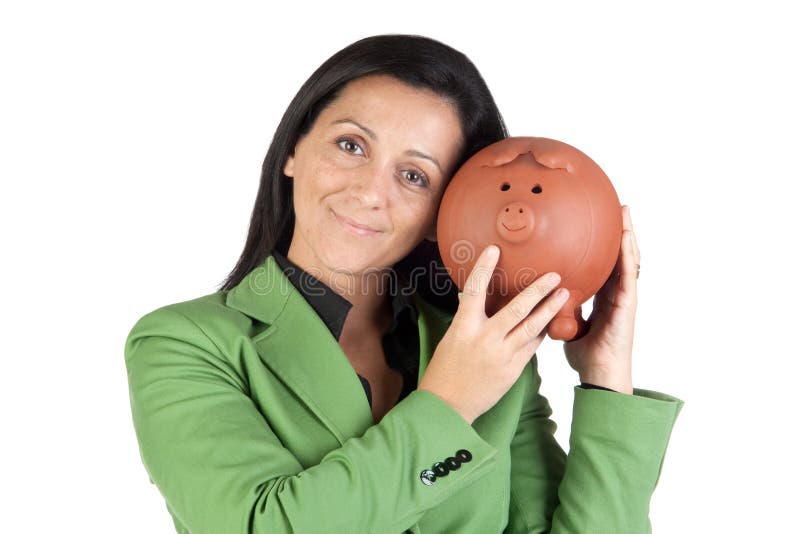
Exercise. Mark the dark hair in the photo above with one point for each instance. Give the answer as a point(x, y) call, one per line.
point(419, 61)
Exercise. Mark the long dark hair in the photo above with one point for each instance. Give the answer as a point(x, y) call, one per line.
point(419, 61)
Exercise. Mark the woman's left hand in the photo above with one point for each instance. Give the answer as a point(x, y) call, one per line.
point(603, 356)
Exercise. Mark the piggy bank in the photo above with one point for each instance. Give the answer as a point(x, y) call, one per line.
point(548, 207)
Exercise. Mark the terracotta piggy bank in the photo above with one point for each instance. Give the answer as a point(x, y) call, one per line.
point(548, 207)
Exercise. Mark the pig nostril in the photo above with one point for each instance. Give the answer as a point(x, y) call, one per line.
point(505, 186)
point(520, 210)
point(536, 189)
point(506, 209)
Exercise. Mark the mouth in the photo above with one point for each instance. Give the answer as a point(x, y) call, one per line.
point(512, 229)
point(353, 227)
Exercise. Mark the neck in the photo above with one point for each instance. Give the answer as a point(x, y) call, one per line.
point(367, 292)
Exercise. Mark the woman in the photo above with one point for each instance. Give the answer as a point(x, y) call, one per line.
point(312, 393)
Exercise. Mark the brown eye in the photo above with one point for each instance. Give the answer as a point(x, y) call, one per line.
point(349, 145)
point(421, 179)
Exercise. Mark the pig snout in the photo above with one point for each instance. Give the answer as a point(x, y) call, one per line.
point(515, 221)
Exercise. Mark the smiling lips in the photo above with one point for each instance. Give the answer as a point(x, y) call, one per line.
point(354, 227)
point(512, 229)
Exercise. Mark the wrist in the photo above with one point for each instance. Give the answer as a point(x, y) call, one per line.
point(617, 382)
point(587, 385)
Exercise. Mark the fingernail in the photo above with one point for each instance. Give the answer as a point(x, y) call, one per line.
point(562, 293)
point(553, 278)
point(493, 251)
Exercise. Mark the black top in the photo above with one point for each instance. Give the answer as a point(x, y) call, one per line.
point(400, 343)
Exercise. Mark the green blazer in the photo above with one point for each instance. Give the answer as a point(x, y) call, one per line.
point(251, 419)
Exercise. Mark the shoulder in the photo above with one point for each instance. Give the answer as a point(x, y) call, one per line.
point(205, 320)
point(203, 310)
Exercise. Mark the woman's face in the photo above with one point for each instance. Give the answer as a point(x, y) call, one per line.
point(379, 156)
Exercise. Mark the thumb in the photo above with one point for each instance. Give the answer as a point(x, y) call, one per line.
point(472, 297)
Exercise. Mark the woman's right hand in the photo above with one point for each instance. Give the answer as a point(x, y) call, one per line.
point(479, 358)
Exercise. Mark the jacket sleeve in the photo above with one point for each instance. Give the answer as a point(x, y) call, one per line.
point(221, 468)
point(617, 448)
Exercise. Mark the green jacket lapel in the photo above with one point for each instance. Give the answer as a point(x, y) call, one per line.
point(298, 347)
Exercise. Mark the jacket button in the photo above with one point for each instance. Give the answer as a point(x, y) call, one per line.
point(427, 477)
point(440, 469)
point(452, 463)
point(464, 455)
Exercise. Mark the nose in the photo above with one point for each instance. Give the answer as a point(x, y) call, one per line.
point(515, 221)
point(371, 185)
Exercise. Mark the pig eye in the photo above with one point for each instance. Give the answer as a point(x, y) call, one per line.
point(505, 187)
point(536, 189)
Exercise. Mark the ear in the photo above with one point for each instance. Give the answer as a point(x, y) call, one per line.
point(288, 167)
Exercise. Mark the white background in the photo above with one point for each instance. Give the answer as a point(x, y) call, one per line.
point(131, 141)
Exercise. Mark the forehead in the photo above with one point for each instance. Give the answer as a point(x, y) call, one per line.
point(385, 97)
point(386, 86)
point(399, 113)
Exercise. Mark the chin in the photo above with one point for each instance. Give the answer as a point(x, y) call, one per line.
point(347, 260)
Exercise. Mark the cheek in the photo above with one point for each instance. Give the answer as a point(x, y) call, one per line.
point(324, 174)
point(311, 181)
point(417, 215)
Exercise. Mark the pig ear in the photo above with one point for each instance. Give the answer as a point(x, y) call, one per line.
point(549, 159)
point(553, 159)
point(497, 160)
point(505, 151)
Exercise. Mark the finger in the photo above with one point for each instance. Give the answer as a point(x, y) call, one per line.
point(627, 224)
point(630, 267)
point(473, 296)
point(528, 351)
point(534, 325)
point(521, 305)
point(605, 295)
point(631, 257)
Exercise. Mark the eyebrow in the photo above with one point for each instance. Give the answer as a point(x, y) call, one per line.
point(374, 137)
